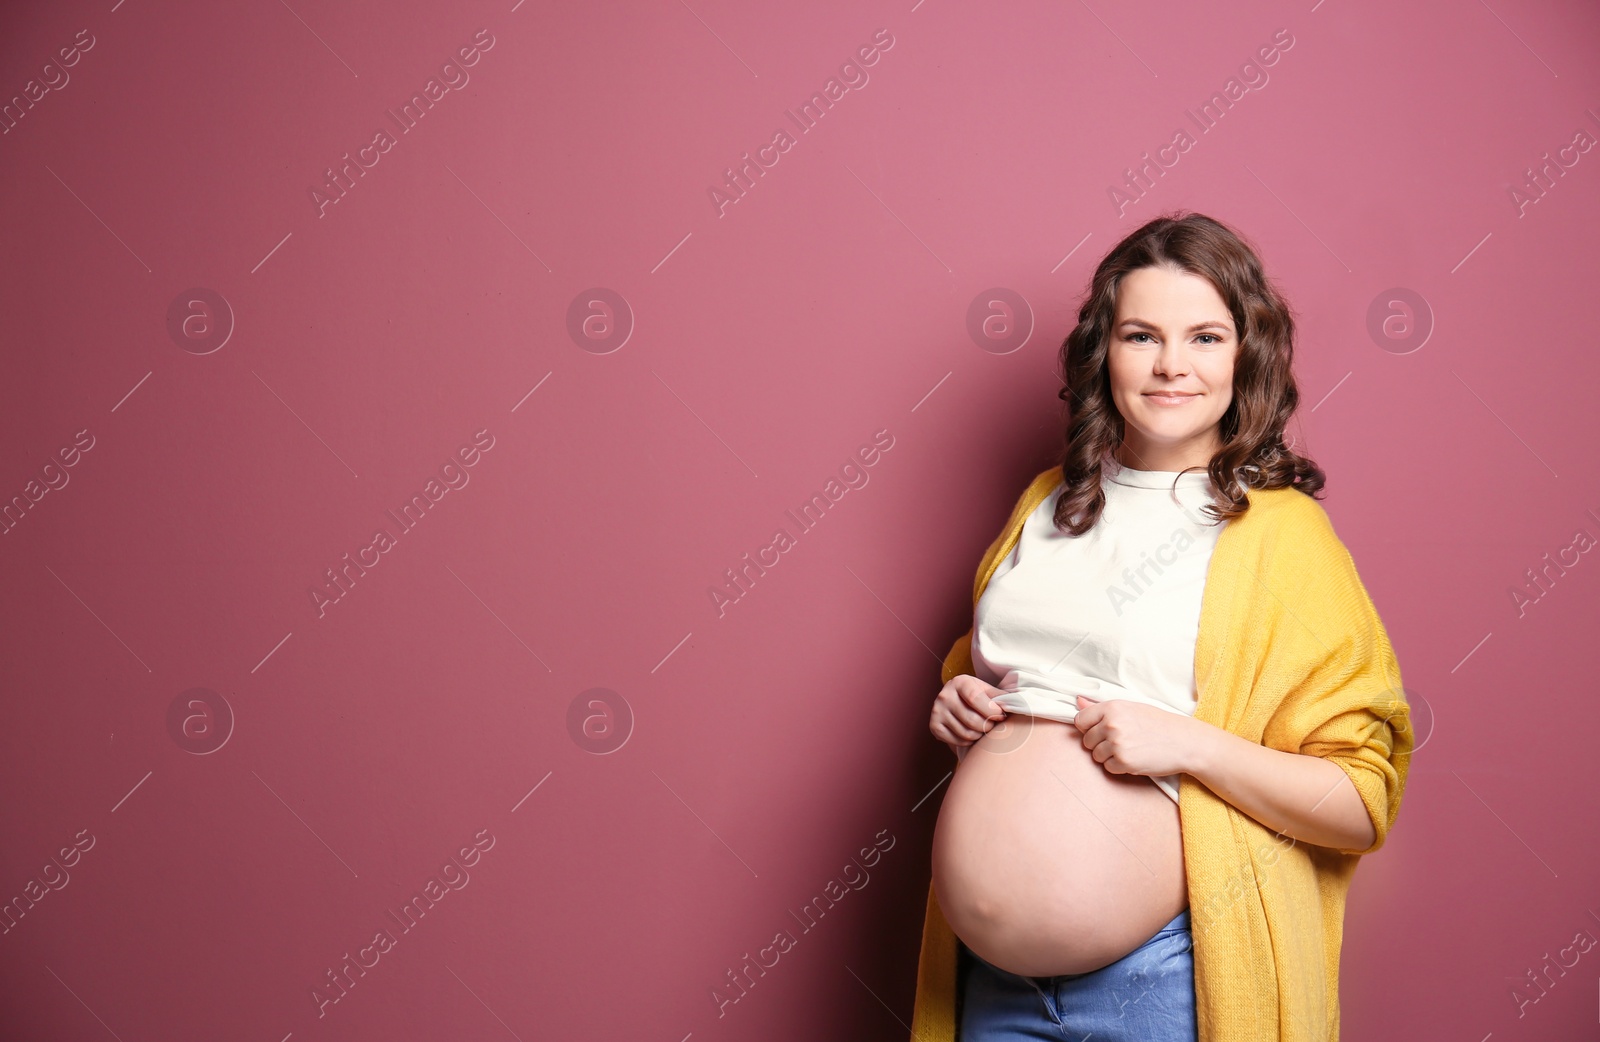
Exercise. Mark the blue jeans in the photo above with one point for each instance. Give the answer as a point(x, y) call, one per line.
point(1146, 996)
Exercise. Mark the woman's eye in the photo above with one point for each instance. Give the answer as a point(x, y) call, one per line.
point(1213, 338)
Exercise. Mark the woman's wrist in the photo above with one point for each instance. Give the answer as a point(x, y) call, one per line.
point(1206, 747)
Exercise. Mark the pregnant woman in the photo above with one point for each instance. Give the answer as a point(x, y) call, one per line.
point(1177, 719)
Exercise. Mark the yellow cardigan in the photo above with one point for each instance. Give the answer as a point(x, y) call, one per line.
point(1291, 654)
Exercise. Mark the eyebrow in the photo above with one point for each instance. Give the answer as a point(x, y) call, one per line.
point(1192, 329)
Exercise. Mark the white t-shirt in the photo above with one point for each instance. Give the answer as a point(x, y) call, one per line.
point(1113, 613)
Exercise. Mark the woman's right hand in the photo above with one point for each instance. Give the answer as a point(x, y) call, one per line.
point(964, 711)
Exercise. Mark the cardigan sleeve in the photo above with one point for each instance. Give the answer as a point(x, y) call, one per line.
point(1365, 745)
point(1370, 737)
point(1348, 706)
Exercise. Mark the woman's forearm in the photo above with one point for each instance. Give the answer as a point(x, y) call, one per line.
point(1307, 798)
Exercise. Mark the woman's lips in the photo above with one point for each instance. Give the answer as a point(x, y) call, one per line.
point(1171, 401)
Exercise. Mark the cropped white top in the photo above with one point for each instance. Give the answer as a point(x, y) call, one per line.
point(1113, 613)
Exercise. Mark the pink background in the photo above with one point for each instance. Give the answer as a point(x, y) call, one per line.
point(769, 743)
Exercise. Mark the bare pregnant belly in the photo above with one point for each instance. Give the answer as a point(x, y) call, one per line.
point(1044, 863)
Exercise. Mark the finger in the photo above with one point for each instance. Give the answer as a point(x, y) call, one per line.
point(983, 705)
point(965, 714)
point(945, 727)
point(976, 720)
point(975, 714)
point(956, 742)
point(955, 728)
point(964, 733)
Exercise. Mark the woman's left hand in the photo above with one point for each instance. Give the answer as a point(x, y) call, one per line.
point(1133, 738)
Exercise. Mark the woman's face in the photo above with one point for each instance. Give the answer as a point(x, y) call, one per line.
point(1173, 344)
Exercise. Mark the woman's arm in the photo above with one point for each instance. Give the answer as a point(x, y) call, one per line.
point(1305, 797)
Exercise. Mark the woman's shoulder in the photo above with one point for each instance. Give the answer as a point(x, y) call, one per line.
point(1294, 531)
point(1044, 483)
point(1289, 507)
point(1048, 475)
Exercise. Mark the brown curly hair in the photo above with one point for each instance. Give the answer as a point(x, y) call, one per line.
point(1253, 454)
